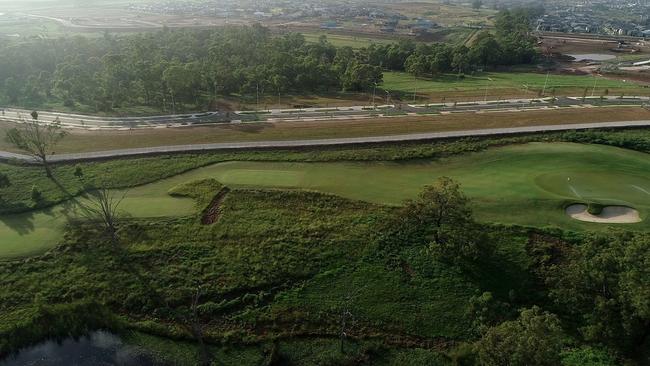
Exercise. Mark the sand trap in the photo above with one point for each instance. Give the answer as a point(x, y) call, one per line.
point(610, 214)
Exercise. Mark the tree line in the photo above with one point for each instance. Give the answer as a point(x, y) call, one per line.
point(170, 70)
point(175, 70)
point(511, 43)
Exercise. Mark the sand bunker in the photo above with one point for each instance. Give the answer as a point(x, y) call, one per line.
point(609, 215)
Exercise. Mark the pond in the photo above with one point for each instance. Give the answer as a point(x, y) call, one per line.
point(592, 57)
point(97, 348)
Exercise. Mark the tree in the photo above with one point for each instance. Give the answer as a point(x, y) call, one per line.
point(192, 323)
point(604, 287)
point(416, 65)
point(476, 4)
point(535, 338)
point(102, 206)
point(587, 356)
point(37, 139)
point(460, 60)
point(486, 312)
point(485, 51)
point(440, 218)
point(4, 182)
point(360, 77)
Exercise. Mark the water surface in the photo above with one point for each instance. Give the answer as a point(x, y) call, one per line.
point(593, 56)
point(99, 348)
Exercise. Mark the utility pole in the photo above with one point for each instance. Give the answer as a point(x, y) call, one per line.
point(545, 83)
point(257, 91)
point(486, 90)
point(415, 91)
point(374, 92)
point(593, 89)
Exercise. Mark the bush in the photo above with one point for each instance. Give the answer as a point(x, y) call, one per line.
point(37, 196)
point(587, 356)
point(595, 208)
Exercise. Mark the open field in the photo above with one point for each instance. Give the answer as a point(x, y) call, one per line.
point(358, 39)
point(519, 184)
point(506, 85)
point(345, 40)
point(84, 141)
point(445, 14)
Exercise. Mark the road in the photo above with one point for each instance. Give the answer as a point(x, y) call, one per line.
point(88, 122)
point(323, 142)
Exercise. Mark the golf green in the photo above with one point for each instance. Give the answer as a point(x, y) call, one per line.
point(519, 184)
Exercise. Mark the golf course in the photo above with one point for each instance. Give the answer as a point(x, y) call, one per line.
point(526, 184)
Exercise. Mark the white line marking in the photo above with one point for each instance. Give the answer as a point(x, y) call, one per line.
point(640, 189)
point(575, 192)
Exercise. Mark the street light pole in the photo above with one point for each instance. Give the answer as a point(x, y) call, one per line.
point(415, 91)
point(486, 90)
point(545, 83)
point(374, 91)
point(593, 91)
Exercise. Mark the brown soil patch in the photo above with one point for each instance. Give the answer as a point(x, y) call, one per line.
point(213, 212)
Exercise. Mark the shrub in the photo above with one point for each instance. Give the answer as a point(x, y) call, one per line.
point(36, 194)
point(587, 356)
point(595, 208)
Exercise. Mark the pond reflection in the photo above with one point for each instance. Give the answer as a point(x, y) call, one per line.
point(99, 348)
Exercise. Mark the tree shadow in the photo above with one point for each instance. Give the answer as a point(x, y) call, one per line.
point(22, 223)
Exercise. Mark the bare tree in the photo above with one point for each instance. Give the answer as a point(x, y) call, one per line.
point(346, 319)
point(37, 139)
point(102, 205)
point(194, 327)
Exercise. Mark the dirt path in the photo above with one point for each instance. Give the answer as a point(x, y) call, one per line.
point(213, 212)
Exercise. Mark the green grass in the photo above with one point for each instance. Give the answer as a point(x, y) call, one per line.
point(518, 184)
point(274, 267)
point(507, 82)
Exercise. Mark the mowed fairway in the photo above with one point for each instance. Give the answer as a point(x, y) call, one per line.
point(519, 184)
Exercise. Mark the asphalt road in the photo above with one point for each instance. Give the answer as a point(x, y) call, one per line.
point(69, 120)
point(322, 142)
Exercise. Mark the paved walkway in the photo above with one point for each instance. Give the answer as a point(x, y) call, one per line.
point(322, 142)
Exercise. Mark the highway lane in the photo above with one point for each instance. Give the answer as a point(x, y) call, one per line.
point(322, 142)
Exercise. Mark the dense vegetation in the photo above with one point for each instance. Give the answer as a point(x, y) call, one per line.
point(289, 277)
point(174, 70)
point(511, 44)
point(281, 267)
